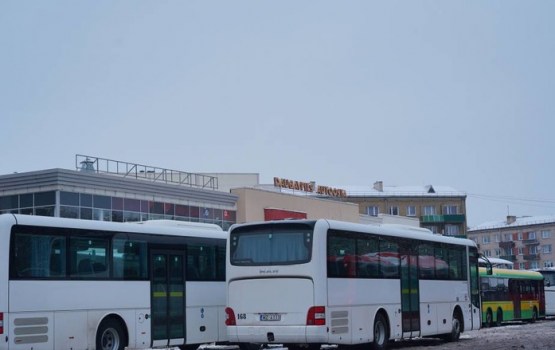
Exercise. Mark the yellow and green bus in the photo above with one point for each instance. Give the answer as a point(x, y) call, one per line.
point(511, 295)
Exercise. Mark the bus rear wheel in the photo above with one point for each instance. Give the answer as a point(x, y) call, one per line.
point(381, 334)
point(111, 335)
point(489, 318)
point(534, 315)
point(456, 328)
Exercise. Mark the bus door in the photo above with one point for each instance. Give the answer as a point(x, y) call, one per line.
point(167, 297)
point(410, 294)
point(514, 291)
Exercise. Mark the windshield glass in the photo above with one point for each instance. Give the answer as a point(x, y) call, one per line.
point(271, 245)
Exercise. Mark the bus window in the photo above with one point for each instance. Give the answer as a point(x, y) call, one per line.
point(368, 258)
point(38, 256)
point(88, 258)
point(426, 261)
point(441, 261)
point(389, 259)
point(129, 259)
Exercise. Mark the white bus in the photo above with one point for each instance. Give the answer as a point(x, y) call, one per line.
point(307, 283)
point(549, 288)
point(81, 284)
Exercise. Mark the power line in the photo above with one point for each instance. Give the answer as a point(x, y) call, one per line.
point(535, 202)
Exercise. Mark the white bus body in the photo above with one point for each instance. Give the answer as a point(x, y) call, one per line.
point(549, 288)
point(327, 282)
point(81, 284)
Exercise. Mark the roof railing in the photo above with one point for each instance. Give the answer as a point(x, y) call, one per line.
point(99, 165)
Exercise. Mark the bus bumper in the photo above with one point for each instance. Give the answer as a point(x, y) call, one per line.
point(278, 335)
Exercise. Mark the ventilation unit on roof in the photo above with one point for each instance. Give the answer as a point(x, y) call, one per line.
point(87, 166)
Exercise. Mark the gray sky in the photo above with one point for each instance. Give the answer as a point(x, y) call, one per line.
point(455, 93)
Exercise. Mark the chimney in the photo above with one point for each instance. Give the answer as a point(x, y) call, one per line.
point(510, 219)
point(378, 186)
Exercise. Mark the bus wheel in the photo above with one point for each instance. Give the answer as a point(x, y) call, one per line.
point(534, 316)
point(381, 335)
point(455, 328)
point(111, 335)
point(489, 318)
point(499, 317)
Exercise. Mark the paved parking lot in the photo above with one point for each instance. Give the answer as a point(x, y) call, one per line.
point(539, 335)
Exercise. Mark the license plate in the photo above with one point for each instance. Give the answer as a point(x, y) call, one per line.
point(270, 317)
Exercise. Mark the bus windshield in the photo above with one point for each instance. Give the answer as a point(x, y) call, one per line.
point(271, 245)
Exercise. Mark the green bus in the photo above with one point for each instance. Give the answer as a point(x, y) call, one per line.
point(511, 295)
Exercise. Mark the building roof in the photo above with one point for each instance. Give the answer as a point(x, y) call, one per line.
point(518, 222)
point(403, 191)
point(70, 180)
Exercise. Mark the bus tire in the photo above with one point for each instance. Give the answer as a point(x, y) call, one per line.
point(499, 319)
point(456, 327)
point(489, 318)
point(534, 315)
point(249, 346)
point(381, 333)
point(111, 335)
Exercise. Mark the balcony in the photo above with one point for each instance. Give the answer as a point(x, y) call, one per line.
point(454, 218)
point(450, 219)
point(529, 257)
point(531, 242)
point(508, 257)
point(507, 245)
point(430, 219)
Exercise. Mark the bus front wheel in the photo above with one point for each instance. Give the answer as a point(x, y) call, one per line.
point(111, 335)
point(381, 335)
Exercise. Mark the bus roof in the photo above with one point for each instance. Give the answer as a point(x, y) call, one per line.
point(154, 228)
point(387, 230)
point(514, 274)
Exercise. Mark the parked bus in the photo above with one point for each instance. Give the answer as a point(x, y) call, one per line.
point(81, 284)
point(511, 295)
point(303, 282)
point(549, 289)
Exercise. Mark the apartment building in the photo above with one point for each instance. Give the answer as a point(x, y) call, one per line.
point(441, 209)
point(526, 241)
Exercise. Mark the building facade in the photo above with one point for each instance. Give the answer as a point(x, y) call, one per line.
point(102, 196)
point(440, 209)
point(526, 241)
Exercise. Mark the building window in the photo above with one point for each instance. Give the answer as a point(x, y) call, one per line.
point(450, 209)
point(452, 230)
point(548, 263)
point(531, 235)
point(411, 210)
point(487, 252)
point(546, 234)
point(497, 237)
point(485, 239)
point(372, 210)
point(546, 249)
point(507, 237)
point(520, 251)
point(534, 265)
point(520, 236)
point(521, 266)
point(394, 210)
point(497, 252)
point(533, 250)
point(429, 210)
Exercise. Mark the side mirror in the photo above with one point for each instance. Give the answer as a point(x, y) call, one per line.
point(489, 269)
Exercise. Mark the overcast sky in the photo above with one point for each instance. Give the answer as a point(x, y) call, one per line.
point(454, 93)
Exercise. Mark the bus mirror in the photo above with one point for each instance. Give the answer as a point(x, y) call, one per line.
point(489, 269)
